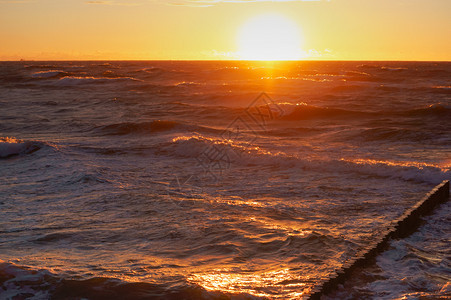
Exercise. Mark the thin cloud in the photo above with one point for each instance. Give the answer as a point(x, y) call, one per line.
point(98, 2)
point(207, 3)
point(17, 1)
point(112, 3)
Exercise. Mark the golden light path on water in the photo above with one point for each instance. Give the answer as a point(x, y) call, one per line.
point(264, 284)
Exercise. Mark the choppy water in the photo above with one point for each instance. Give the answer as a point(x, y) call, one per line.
point(417, 267)
point(183, 180)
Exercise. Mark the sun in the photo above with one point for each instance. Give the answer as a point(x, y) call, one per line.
point(270, 37)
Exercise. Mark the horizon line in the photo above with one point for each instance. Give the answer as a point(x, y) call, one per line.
point(222, 60)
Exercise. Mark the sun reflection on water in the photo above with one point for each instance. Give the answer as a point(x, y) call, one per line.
point(274, 284)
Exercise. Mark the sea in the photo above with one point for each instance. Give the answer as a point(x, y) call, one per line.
point(220, 179)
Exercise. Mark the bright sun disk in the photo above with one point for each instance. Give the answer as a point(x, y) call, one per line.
point(270, 37)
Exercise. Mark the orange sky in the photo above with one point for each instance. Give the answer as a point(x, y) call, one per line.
point(209, 29)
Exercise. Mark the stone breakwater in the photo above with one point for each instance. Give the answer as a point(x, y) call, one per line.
point(401, 227)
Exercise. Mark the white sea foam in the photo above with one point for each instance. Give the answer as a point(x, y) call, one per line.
point(425, 252)
point(21, 281)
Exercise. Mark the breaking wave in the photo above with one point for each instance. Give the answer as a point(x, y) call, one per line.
point(50, 74)
point(303, 111)
point(22, 283)
point(240, 153)
point(12, 146)
point(77, 81)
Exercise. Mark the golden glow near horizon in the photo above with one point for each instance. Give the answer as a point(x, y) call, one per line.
point(225, 29)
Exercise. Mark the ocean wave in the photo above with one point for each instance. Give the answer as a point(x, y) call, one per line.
point(382, 68)
point(106, 64)
point(301, 111)
point(193, 146)
point(393, 134)
point(348, 88)
point(387, 88)
point(153, 70)
point(229, 152)
point(40, 67)
point(441, 89)
point(113, 75)
point(357, 73)
point(12, 146)
point(150, 127)
point(325, 77)
point(407, 170)
point(168, 88)
point(76, 81)
point(158, 73)
point(83, 178)
point(393, 68)
point(156, 88)
point(18, 282)
point(148, 72)
point(435, 73)
point(137, 127)
point(282, 110)
point(49, 74)
point(294, 132)
point(188, 84)
point(436, 109)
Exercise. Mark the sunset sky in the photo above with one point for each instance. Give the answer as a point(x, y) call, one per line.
point(222, 29)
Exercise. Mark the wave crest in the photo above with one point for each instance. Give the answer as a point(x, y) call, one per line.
point(49, 74)
point(10, 146)
point(436, 109)
point(234, 152)
point(75, 81)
